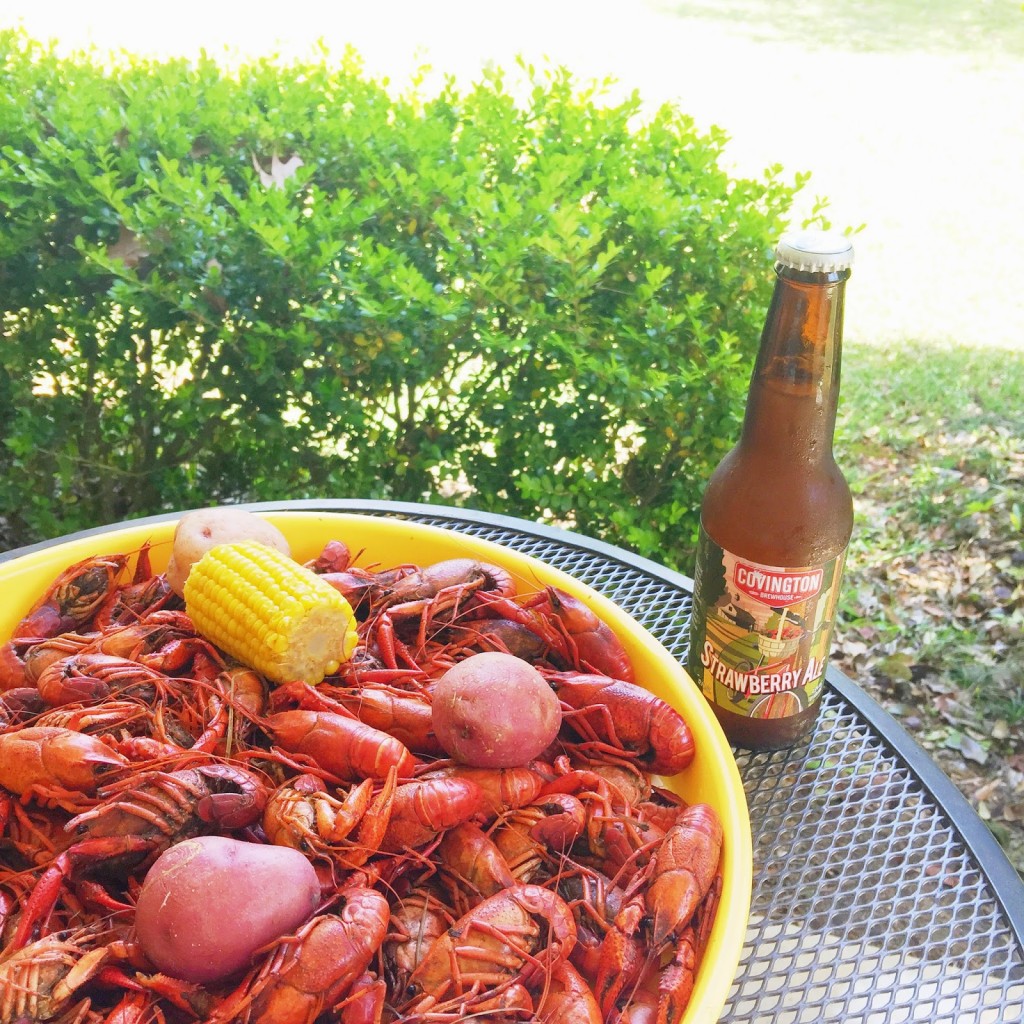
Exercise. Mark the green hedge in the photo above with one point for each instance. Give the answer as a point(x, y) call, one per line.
point(532, 301)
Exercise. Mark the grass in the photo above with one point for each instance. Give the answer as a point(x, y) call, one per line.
point(940, 26)
point(934, 385)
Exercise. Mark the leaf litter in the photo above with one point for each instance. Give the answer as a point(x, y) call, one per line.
point(933, 617)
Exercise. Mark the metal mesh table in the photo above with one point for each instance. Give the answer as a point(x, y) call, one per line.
point(879, 896)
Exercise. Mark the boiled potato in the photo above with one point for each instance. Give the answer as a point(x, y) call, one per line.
point(208, 904)
point(494, 710)
point(205, 528)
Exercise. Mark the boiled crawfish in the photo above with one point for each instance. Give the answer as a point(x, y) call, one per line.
point(40, 981)
point(164, 808)
point(313, 970)
point(345, 747)
point(515, 935)
point(139, 818)
point(55, 766)
point(73, 598)
point(574, 635)
point(430, 598)
point(302, 814)
point(70, 602)
point(625, 720)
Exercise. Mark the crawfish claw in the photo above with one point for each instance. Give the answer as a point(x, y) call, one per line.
point(232, 810)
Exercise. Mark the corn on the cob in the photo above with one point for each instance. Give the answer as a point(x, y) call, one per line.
point(269, 612)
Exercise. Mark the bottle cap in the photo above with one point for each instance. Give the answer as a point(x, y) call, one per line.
point(818, 252)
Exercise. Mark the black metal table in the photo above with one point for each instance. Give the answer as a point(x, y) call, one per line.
point(879, 896)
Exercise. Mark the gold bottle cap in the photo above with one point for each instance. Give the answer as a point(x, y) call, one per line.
point(815, 251)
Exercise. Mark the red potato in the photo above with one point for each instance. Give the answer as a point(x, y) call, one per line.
point(204, 528)
point(494, 710)
point(208, 904)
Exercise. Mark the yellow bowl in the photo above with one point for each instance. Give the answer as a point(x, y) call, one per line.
point(712, 778)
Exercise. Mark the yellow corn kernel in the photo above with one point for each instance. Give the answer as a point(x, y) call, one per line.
point(269, 612)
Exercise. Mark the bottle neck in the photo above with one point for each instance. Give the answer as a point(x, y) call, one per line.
point(794, 391)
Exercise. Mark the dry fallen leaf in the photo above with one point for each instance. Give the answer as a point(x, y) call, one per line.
point(280, 170)
point(973, 750)
point(129, 248)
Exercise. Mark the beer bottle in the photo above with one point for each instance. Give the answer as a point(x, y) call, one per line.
point(777, 515)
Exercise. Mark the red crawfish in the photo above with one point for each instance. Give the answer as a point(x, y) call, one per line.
point(55, 766)
point(683, 870)
point(471, 866)
point(335, 556)
point(302, 814)
point(568, 997)
point(39, 982)
point(244, 693)
point(164, 641)
point(624, 720)
point(614, 836)
point(683, 873)
point(503, 789)
point(112, 716)
point(199, 716)
point(142, 733)
point(313, 970)
point(424, 808)
point(140, 817)
point(73, 598)
point(418, 917)
point(166, 807)
point(44, 653)
point(595, 901)
point(576, 635)
point(129, 602)
point(431, 596)
point(533, 839)
point(590, 643)
point(403, 714)
point(515, 936)
point(345, 747)
point(69, 602)
point(93, 677)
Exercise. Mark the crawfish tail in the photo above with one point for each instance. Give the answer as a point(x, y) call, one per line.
point(685, 867)
point(311, 972)
point(425, 807)
point(48, 759)
point(342, 746)
point(624, 718)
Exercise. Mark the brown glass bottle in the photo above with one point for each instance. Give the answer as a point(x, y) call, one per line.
point(777, 515)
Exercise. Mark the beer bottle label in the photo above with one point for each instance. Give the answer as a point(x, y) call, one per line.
point(761, 633)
